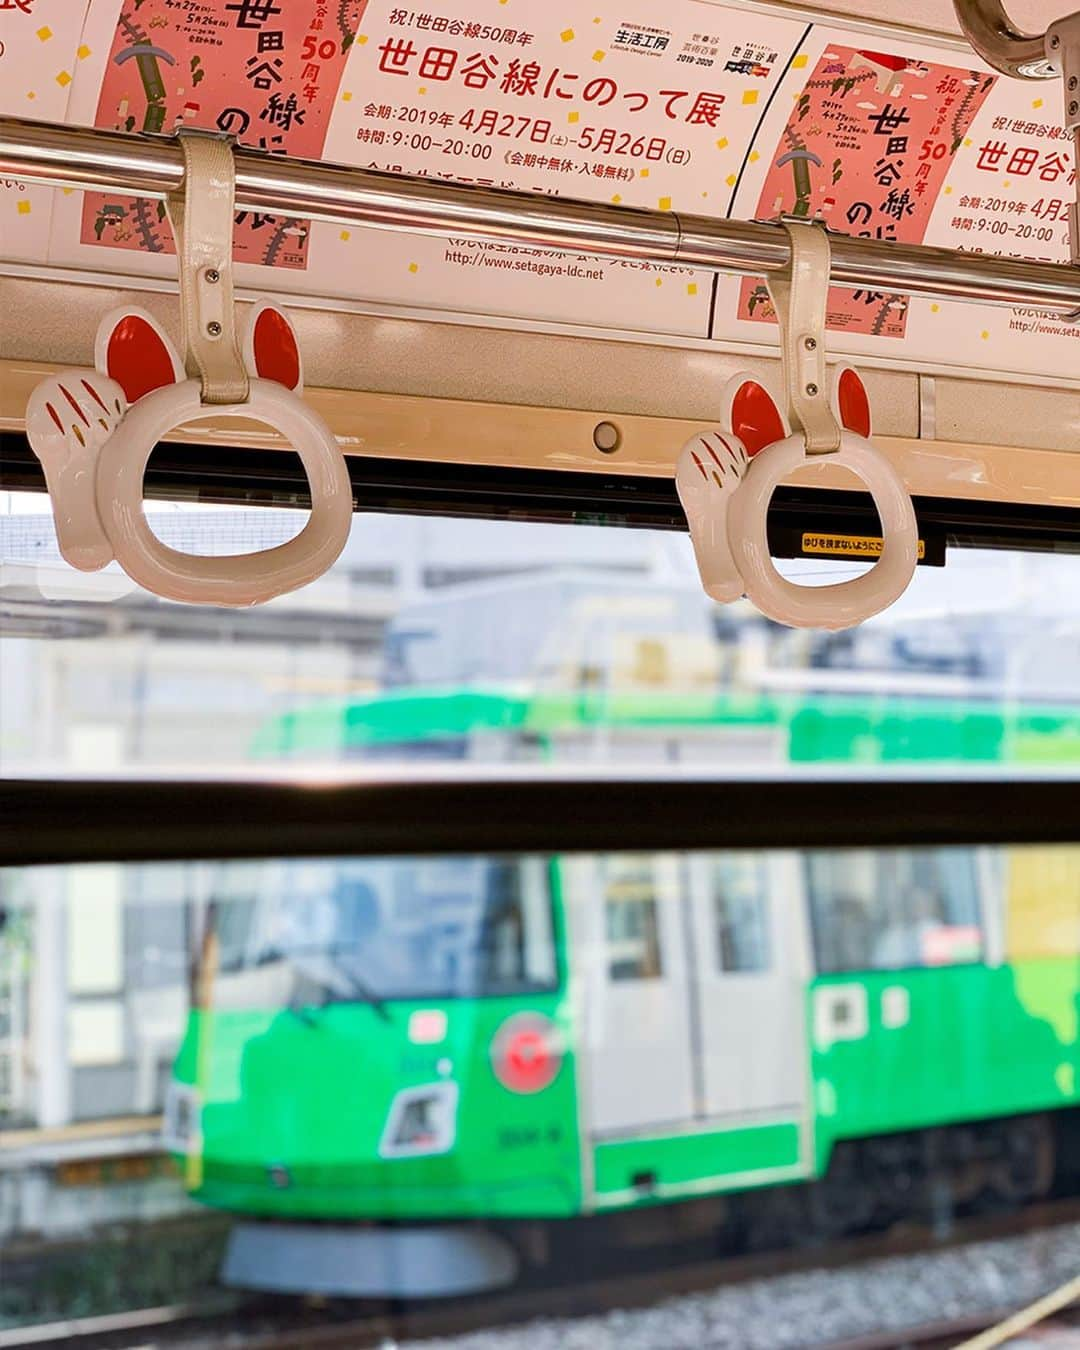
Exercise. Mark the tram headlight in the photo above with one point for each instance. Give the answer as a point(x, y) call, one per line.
point(181, 1125)
point(422, 1121)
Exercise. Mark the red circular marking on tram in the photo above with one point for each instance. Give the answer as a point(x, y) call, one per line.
point(526, 1053)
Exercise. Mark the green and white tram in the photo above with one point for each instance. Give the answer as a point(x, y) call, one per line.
point(523, 1039)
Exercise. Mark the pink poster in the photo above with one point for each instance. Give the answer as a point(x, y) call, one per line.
point(264, 71)
point(866, 149)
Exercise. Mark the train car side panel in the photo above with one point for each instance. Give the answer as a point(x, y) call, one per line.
point(902, 1050)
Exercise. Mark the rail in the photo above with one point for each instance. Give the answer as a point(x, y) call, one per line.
point(152, 166)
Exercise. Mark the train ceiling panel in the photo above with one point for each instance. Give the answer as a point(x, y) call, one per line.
point(723, 110)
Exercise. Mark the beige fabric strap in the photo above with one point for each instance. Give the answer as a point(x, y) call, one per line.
point(799, 294)
point(202, 220)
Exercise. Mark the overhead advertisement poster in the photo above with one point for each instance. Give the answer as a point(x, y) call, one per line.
point(903, 142)
point(694, 108)
point(866, 148)
point(40, 45)
point(265, 73)
point(623, 107)
point(637, 106)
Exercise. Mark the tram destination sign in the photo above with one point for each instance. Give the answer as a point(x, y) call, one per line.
point(695, 107)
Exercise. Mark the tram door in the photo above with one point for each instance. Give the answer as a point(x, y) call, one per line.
point(637, 1037)
point(750, 957)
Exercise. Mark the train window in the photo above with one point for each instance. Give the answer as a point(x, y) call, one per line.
point(521, 641)
point(887, 910)
point(394, 928)
point(498, 935)
point(740, 906)
point(630, 920)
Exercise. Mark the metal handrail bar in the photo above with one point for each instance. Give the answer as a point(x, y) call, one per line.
point(151, 166)
point(988, 28)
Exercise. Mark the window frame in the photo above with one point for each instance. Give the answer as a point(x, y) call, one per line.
point(236, 475)
point(633, 870)
point(821, 909)
point(719, 900)
point(534, 810)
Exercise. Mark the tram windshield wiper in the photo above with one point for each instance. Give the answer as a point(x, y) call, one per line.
point(336, 982)
point(358, 988)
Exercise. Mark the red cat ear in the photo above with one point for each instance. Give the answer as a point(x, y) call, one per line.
point(134, 350)
point(852, 402)
point(753, 415)
point(270, 348)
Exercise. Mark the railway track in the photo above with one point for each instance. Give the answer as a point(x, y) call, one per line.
point(280, 1324)
point(1055, 1333)
point(193, 1326)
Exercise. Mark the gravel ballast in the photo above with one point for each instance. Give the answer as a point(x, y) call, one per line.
point(814, 1307)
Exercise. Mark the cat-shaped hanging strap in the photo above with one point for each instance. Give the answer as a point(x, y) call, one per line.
point(94, 430)
point(726, 478)
point(714, 465)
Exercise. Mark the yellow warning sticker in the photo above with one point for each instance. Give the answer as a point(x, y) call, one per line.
point(849, 545)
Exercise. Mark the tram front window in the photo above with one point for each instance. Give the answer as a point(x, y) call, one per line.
point(406, 929)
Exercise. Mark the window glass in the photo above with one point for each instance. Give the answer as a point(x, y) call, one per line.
point(439, 639)
point(359, 1047)
point(376, 1038)
point(888, 909)
point(740, 907)
point(630, 921)
point(388, 929)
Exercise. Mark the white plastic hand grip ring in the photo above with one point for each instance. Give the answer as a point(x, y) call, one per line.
point(94, 432)
point(245, 579)
point(845, 603)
